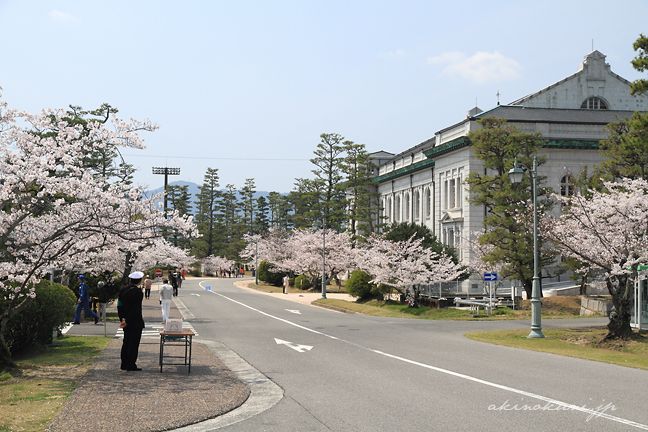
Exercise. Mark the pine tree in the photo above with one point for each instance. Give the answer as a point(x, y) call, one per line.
point(248, 205)
point(361, 195)
point(261, 223)
point(329, 180)
point(207, 215)
point(178, 198)
point(498, 144)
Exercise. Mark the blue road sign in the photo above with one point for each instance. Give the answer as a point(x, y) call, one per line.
point(208, 288)
point(490, 277)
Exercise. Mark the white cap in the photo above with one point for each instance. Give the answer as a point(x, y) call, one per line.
point(136, 275)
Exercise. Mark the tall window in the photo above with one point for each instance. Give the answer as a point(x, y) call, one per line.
point(428, 203)
point(417, 205)
point(389, 210)
point(452, 194)
point(567, 186)
point(407, 208)
point(397, 209)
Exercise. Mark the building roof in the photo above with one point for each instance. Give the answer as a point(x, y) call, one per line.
point(520, 114)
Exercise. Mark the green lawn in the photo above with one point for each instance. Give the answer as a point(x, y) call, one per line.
point(580, 343)
point(32, 394)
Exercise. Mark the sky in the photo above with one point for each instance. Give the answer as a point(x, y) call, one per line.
point(248, 87)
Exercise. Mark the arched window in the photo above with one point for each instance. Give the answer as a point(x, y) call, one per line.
point(407, 208)
point(567, 186)
point(594, 103)
point(417, 205)
point(428, 203)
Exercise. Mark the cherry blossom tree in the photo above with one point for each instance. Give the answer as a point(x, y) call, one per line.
point(608, 230)
point(300, 252)
point(53, 212)
point(404, 264)
point(215, 263)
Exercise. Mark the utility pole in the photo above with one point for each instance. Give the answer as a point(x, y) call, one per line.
point(167, 172)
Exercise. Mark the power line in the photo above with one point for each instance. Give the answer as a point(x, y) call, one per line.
point(215, 158)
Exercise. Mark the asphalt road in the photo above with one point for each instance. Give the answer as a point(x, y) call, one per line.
point(345, 372)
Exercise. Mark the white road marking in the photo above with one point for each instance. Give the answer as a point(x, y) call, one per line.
point(298, 348)
point(295, 311)
point(197, 295)
point(565, 405)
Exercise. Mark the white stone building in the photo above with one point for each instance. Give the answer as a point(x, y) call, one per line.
point(424, 184)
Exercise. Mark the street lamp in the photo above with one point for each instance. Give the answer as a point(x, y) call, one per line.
point(323, 258)
point(515, 175)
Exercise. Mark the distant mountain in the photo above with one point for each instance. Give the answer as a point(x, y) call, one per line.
point(193, 190)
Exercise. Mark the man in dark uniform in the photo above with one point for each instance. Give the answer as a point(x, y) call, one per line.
point(129, 309)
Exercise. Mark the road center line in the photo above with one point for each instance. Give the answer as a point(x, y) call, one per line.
point(567, 406)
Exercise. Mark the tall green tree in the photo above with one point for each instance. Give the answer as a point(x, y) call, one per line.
point(279, 208)
point(498, 144)
point(626, 149)
point(179, 198)
point(106, 162)
point(262, 223)
point(640, 63)
point(363, 204)
point(207, 215)
point(329, 179)
point(231, 223)
point(248, 205)
point(305, 203)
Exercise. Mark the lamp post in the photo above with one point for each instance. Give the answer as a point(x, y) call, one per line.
point(323, 258)
point(515, 176)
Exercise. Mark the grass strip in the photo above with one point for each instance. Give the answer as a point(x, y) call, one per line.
point(580, 343)
point(32, 394)
point(390, 309)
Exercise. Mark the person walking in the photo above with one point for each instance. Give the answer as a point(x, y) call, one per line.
point(174, 284)
point(129, 309)
point(286, 282)
point(84, 302)
point(147, 287)
point(166, 293)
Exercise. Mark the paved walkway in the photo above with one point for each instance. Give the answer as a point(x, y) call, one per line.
point(109, 399)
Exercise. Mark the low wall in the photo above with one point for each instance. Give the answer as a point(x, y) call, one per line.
point(596, 306)
point(568, 291)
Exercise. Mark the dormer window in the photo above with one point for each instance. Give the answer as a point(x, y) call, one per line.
point(594, 103)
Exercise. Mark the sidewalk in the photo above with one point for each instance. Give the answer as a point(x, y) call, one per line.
point(109, 399)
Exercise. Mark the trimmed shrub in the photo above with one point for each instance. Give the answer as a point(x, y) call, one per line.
point(269, 277)
point(53, 306)
point(359, 285)
point(303, 282)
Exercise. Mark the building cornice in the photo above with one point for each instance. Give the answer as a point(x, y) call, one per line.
point(418, 166)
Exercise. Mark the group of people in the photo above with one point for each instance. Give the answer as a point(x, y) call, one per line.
point(236, 272)
point(129, 310)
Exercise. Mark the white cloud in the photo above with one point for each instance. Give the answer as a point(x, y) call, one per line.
point(481, 68)
point(393, 54)
point(56, 15)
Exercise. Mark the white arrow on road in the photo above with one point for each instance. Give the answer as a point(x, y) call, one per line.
point(295, 311)
point(196, 294)
point(299, 348)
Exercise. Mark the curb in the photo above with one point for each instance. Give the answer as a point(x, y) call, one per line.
point(264, 394)
point(334, 308)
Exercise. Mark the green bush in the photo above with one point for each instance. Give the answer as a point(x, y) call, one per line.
point(359, 285)
point(53, 306)
point(269, 277)
point(302, 282)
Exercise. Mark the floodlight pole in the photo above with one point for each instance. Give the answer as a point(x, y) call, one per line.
point(167, 172)
point(515, 175)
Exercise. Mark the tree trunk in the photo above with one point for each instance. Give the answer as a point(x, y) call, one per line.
point(583, 287)
point(5, 355)
point(619, 325)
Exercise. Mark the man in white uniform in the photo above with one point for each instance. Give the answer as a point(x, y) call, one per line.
point(166, 294)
